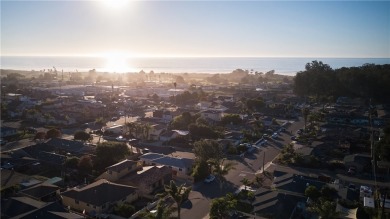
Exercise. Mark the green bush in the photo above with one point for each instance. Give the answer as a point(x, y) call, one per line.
point(200, 171)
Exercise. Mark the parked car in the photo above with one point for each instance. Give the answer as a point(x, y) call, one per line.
point(121, 139)
point(209, 178)
point(275, 135)
point(294, 138)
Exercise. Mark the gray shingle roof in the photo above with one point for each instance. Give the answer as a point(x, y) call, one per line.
point(40, 190)
point(67, 145)
point(100, 192)
point(118, 167)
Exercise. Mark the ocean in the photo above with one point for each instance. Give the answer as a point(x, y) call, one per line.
point(285, 66)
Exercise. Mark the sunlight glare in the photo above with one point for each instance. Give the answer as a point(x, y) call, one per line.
point(115, 4)
point(116, 63)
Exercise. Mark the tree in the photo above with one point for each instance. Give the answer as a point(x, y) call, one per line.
point(221, 207)
point(40, 136)
point(85, 164)
point(53, 133)
point(109, 153)
point(178, 193)
point(205, 150)
point(202, 131)
point(220, 168)
point(255, 104)
point(146, 130)
point(72, 162)
point(124, 210)
point(183, 121)
point(231, 119)
point(163, 212)
point(326, 209)
point(83, 136)
point(245, 182)
point(312, 193)
point(131, 126)
point(200, 170)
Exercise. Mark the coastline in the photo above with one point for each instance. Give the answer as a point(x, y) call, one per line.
point(190, 65)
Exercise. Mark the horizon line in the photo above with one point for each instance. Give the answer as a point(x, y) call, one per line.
point(195, 56)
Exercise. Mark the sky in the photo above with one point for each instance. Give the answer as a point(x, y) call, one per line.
point(353, 29)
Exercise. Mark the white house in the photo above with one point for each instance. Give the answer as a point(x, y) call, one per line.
point(181, 167)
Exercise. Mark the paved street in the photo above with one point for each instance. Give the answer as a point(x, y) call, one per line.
point(247, 166)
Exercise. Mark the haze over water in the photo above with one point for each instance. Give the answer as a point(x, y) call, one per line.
point(286, 66)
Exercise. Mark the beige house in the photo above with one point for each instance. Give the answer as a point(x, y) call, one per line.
point(180, 167)
point(148, 179)
point(98, 197)
point(118, 170)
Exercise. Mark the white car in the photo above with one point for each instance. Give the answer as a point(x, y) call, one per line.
point(121, 139)
point(209, 178)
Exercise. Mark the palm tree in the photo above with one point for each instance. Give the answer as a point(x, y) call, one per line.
point(163, 212)
point(174, 92)
point(178, 193)
point(220, 168)
point(131, 127)
point(258, 180)
point(146, 130)
point(246, 182)
point(305, 114)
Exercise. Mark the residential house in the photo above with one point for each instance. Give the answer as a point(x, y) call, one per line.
point(28, 208)
point(181, 167)
point(148, 179)
point(116, 129)
point(169, 135)
point(118, 170)
point(41, 192)
point(214, 115)
point(51, 158)
point(70, 146)
point(155, 131)
point(98, 197)
point(287, 193)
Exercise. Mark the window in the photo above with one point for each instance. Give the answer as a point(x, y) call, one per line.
point(180, 169)
point(87, 204)
point(76, 201)
point(94, 206)
point(110, 172)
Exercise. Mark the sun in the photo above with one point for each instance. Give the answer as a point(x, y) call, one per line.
point(117, 63)
point(115, 4)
